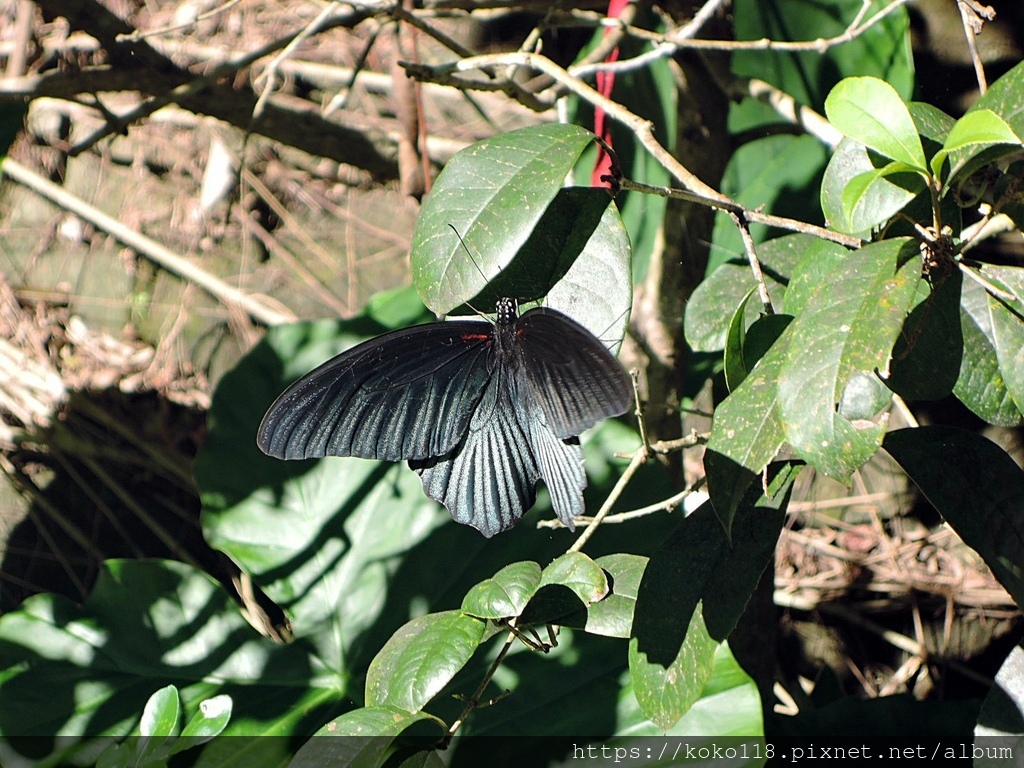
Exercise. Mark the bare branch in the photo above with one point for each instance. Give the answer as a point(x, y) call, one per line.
point(973, 15)
point(145, 245)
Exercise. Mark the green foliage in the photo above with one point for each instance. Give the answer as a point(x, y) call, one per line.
point(402, 623)
point(160, 734)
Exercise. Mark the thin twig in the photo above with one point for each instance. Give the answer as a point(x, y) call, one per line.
point(755, 265)
point(639, 457)
point(474, 700)
point(685, 38)
point(270, 73)
point(985, 283)
point(695, 189)
point(137, 35)
point(973, 15)
point(756, 216)
point(340, 100)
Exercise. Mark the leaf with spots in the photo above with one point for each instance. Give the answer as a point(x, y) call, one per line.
point(816, 387)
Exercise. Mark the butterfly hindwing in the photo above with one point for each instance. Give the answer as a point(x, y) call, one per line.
point(489, 480)
point(408, 394)
point(575, 379)
point(482, 412)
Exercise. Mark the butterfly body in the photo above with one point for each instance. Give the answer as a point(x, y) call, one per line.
point(480, 411)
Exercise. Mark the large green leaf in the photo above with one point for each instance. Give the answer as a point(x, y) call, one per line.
point(372, 735)
point(869, 110)
point(84, 672)
point(976, 487)
point(421, 658)
point(980, 384)
point(520, 228)
point(711, 307)
point(1007, 318)
point(665, 691)
point(816, 388)
point(1005, 97)
point(693, 592)
point(850, 309)
point(701, 563)
point(729, 705)
point(882, 51)
point(928, 355)
point(779, 173)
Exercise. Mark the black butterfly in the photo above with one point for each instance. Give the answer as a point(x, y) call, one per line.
point(480, 411)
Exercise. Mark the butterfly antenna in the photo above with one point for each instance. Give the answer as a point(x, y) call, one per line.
point(613, 342)
point(470, 254)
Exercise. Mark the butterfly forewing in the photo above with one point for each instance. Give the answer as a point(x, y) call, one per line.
point(575, 379)
point(482, 412)
point(408, 394)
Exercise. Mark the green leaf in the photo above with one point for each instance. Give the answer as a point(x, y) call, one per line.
point(211, 719)
point(1002, 712)
point(701, 563)
point(495, 194)
point(580, 574)
point(874, 198)
point(870, 111)
point(523, 234)
point(977, 129)
point(865, 198)
point(363, 738)
point(729, 705)
point(713, 304)
point(421, 658)
point(693, 591)
point(735, 363)
point(159, 725)
point(146, 622)
point(928, 355)
point(976, 487)
point(1004, 98)
point(613, 615)
point(772, 174)
point(162, 714)
point(980, 384)
point(849, 309)
point(666, 691)
point(504, 595)
point(1007, 318)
